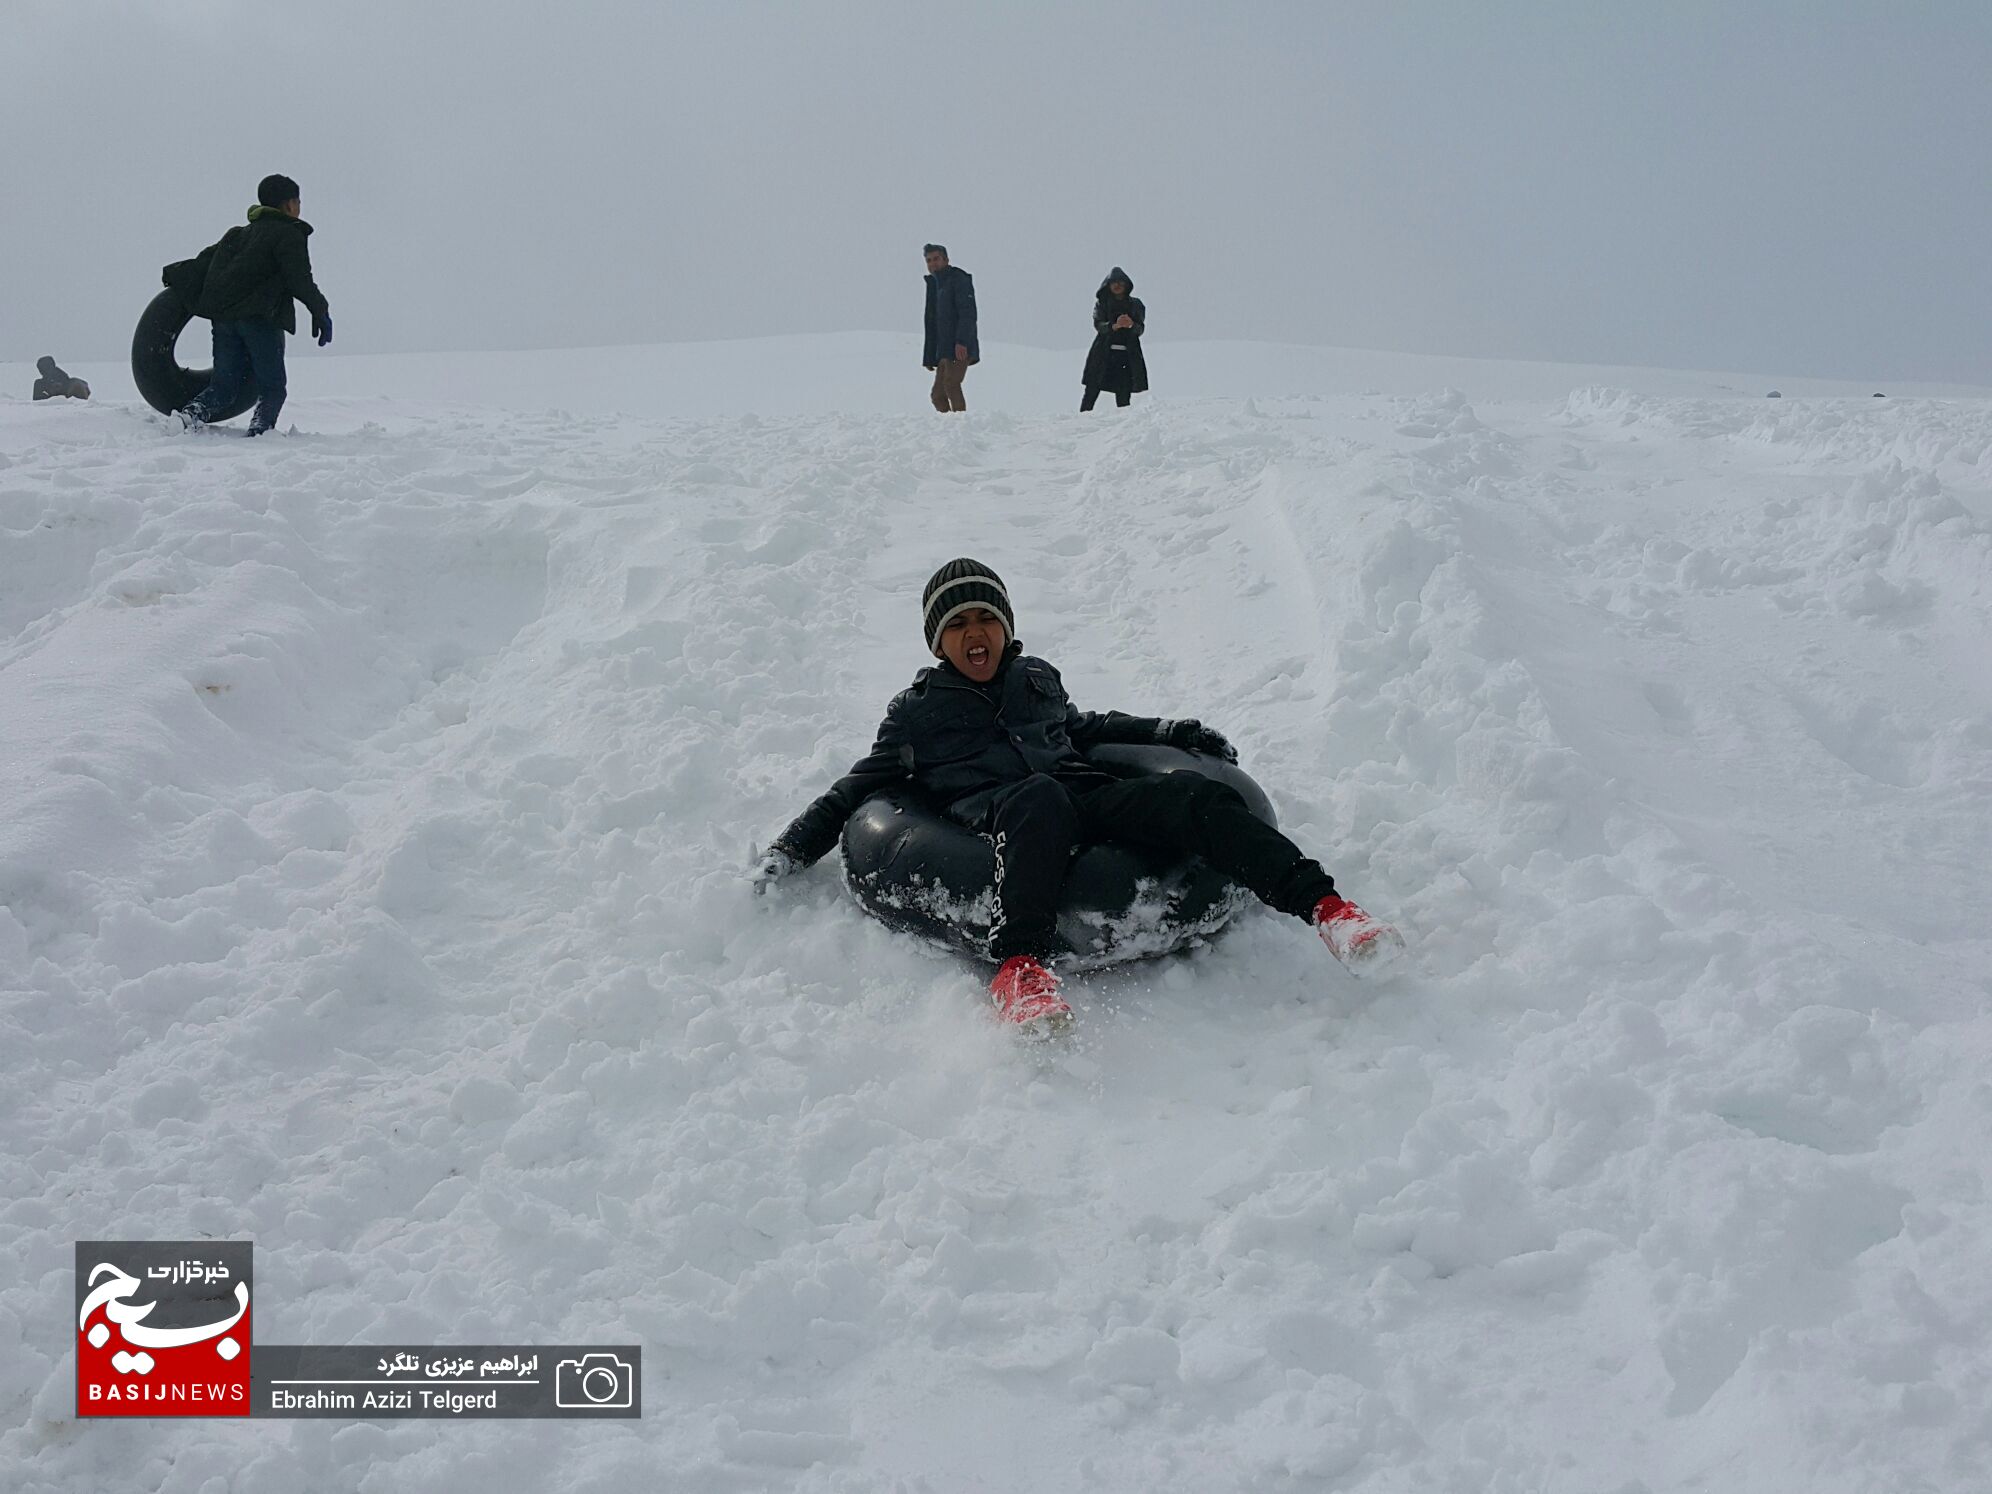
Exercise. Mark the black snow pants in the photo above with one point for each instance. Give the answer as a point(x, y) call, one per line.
point(1037, 823)
point(1119, 378)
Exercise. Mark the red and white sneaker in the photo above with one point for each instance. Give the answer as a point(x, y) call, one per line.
point(1027, 994)
point(1363, 943)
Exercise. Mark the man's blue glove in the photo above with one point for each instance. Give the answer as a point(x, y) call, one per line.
point(321, 328)
point(1193, 736)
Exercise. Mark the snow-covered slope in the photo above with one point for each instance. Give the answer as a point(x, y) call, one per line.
point(878, 373)
point(371, 808)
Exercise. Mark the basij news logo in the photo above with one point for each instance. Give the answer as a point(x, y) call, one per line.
point(162, 1327)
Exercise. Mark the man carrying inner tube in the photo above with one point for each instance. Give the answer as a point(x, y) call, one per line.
point(990, 735)
point(245, 283)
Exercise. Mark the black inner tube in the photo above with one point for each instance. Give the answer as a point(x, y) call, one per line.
point(915, 870)
point(162, 382)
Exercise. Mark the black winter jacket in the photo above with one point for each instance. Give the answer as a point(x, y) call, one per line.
point(252, 273)
point(950, 316)
point(1104, 370)
point(962, 743)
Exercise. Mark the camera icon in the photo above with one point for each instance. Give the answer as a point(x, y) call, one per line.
point(594, 1382)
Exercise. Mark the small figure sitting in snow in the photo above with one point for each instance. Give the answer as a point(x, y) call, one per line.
point(989, 734)
point(55, 384)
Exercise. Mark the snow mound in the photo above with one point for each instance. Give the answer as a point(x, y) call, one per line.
point(369, 845)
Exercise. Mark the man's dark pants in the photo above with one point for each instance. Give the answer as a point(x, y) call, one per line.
point(243, 350)
point(1037, 822)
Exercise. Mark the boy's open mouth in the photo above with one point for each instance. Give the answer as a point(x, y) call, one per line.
point(978, 653)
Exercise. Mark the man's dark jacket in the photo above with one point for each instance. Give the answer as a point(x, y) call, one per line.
point(962, 743)
point(1103, 370)
point(950, 316)
point(252, 274)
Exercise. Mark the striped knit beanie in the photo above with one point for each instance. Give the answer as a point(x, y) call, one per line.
point(959, 586)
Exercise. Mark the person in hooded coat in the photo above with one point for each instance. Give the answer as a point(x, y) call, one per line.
point(1115, 361)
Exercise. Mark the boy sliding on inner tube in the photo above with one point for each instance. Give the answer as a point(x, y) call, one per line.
point(990, 736)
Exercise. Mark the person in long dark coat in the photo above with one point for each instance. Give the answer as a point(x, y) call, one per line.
point(1115, 360)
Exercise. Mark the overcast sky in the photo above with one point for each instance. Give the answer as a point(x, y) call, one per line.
point(1793, 188)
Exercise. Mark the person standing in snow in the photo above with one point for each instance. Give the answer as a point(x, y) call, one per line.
point(1115, 361)
point(989, 735)
point(245, 283)
point(951, 344)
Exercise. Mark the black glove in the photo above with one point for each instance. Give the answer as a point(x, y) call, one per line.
point(1193, 736)
point(321, 328)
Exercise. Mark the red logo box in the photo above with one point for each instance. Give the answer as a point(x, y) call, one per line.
point(162, 1327)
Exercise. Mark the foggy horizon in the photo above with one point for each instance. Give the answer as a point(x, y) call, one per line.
point(1760, 188)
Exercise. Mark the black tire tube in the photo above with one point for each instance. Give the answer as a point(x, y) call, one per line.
point(915, 870)
point(155, 368)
